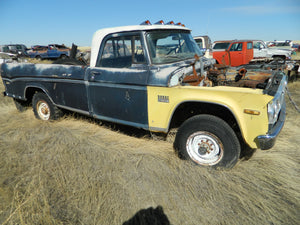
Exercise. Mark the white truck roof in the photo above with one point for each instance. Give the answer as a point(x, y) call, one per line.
point(102, 33)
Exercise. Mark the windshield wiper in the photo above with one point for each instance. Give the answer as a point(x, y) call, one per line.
point(172, 56)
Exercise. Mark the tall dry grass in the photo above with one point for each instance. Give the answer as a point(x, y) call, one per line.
point(77, 171)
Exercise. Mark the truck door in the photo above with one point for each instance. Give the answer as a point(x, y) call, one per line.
point(248, 49)
point(241, 53)
point(117, 85)
point(52, 52)
point(259, 50)
point(236, 54)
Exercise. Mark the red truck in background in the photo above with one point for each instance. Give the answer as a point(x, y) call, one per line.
point(233, 53)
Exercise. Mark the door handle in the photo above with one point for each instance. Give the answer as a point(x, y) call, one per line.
point(93, 74)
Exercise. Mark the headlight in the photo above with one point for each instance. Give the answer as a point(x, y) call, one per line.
point(271, 113)
point(274, 108)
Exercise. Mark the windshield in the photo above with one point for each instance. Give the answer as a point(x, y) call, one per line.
point(199, 43)
point(171, 46)
point(221, 45)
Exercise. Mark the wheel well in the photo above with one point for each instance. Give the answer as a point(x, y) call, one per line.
point(30, 92)
point(63, 55)
point(188, 109)
point(279, 56)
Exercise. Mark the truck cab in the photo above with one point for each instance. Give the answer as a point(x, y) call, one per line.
point(205, 45)
point(238, 52)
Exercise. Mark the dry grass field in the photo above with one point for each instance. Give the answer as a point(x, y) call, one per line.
point(81, 171)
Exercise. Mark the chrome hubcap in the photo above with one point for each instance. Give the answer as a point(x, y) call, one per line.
point(204, 148)
point(43, 110)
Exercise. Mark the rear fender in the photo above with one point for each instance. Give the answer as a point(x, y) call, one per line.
point(31, 89)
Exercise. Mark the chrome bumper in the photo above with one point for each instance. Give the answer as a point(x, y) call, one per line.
point(267, 141)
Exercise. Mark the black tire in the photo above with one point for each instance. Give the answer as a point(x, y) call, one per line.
point(38, 57)
point(279, 58)
point(208, 141)
point(44, 109)
point(63, 56)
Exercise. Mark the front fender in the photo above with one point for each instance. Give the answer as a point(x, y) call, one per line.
point(162, 103)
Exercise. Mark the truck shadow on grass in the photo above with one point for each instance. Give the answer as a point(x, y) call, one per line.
point(149, 216)
point(246, 152)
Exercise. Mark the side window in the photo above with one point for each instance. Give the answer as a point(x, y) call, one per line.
point(199, 43)
point(249, 45)
point(122, 52)
point(5, 49)
point(258, 45)
point(261, 45)
point(236, 47)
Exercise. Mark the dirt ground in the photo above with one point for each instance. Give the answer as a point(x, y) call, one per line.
point(80, 171)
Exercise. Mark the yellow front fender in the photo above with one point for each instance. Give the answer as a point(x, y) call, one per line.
point(163, 101)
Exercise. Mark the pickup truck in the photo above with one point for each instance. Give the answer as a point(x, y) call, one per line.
point(261, 50)
point(17, 50)
point(235, 53)
point(204, 43)
point(241, 52)
point(150, 76)
point(52, 51)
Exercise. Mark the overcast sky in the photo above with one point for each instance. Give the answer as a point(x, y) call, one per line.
point(34, 22)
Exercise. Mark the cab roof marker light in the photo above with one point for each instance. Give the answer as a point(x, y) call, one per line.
point(161, 22)
point(171, 23)
point(180, 24)
point(147, 22)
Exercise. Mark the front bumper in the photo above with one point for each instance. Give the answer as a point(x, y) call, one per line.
point(267, 141)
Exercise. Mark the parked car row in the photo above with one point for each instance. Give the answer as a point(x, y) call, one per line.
point(237, 49)
point(286, 43)
point(51, 51)
point(15, 49)
point(296, 47)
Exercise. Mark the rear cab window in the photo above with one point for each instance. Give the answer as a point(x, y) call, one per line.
point(121, 52)
point(249, 45)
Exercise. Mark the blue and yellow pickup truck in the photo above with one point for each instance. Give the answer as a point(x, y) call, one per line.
point(149, 76)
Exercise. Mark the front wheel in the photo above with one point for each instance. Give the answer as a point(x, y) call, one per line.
point(208, 141)
point(63, 56)
point(38, 57)
point(43, 108)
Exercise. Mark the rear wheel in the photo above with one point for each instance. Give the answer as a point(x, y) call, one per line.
point(208, 141)
point(63, 56)
point(43, 108)
point(38, 57)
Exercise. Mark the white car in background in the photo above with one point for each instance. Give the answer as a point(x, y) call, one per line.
point(205, 45)
point(261, 50)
